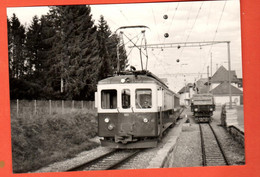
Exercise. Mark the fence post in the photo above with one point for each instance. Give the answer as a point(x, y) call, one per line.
point(50, 107)
point(62, 106)
point(82, 104)
point(17, 107)
point(35, 107)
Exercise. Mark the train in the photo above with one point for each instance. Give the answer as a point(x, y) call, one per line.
point(134, 110)
point(203, 106)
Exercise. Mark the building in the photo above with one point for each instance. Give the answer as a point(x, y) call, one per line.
point(219, 87)
point(221, 94)
point(186, 94)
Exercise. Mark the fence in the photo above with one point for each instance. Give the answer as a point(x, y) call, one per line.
point(49, 106)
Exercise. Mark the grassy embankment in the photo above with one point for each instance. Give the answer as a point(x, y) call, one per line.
point(43, 139)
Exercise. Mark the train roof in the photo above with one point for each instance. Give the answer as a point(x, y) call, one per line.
point(203, 95)
point(133, 77)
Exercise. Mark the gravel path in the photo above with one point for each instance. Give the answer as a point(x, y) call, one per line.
point(188, 148)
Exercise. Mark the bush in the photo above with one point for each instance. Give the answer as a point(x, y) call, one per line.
point(44, 139)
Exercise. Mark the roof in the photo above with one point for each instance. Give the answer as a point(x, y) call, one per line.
point(131, 79)
point(185, 89)
point(223, 89)
point(221, 75)
point(202, 95)
point(134, 77)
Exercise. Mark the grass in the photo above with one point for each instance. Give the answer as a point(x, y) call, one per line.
point(43, 139)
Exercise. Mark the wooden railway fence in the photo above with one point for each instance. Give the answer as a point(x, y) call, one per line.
point(33, 107)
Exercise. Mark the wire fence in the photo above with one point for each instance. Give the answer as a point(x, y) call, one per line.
point(35, 107)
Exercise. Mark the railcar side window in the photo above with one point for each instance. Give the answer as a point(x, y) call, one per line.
point(143, 98)
point(125, 98)
point(108, 99)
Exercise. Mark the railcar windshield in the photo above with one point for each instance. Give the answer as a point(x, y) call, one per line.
point(126, 98)
point(109, 99)
point(143, 98)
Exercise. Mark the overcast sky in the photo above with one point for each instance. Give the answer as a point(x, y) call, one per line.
point(187, 22)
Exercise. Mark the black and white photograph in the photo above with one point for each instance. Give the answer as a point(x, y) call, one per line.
point(126, 86)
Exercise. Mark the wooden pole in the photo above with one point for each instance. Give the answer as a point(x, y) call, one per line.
point(229, 75)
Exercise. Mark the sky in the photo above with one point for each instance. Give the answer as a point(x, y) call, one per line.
point(197, 21)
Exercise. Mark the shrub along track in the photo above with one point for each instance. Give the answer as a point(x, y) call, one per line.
point(212, 151)
point(108, 161)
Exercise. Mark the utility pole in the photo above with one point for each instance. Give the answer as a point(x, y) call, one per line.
point(208, 77)
point(211, 64)
point(229, 75)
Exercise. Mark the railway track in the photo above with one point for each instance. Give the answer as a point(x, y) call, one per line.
point(212, 151)
point(108, 161)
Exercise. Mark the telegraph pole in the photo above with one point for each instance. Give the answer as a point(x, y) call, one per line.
point(211, 64)
point(229, 75)
point(208, 77)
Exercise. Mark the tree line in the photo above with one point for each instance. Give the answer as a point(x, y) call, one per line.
point(61, 55)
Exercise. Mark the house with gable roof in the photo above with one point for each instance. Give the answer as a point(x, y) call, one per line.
point(221, 76)
point(186, 94)
point(220, 87)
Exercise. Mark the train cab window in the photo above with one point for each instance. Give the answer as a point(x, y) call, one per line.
point(109, 99)
point(143, 98)
point(125, 94)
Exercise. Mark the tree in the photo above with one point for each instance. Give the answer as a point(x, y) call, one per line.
point(108, 50)
point(74, 51)
point(104, 33)
point(16, 39)
point(34, 46)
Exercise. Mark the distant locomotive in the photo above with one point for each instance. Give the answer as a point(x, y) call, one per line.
point(202, 106)
point(134, 109)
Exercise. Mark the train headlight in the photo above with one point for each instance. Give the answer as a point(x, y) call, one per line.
point(110, 127)
point(196, 109)
point(211, 109)
point(145, 120)
point(125, 80)
point(107, 120)
point(122, 80)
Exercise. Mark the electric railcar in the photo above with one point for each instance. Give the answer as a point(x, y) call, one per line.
point(203, 106)
point(134, 109)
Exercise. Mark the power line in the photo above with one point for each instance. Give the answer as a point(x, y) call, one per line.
point(216, 31)
point(192, 26)
point(218, 26)
point(155, 23)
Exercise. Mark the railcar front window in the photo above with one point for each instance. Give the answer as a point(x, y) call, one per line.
point(108, 99)
point(143, 98)
point(125, 98)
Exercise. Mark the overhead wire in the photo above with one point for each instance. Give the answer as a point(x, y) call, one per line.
point(158, 37)
point(192, 26)
point(216, 32)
